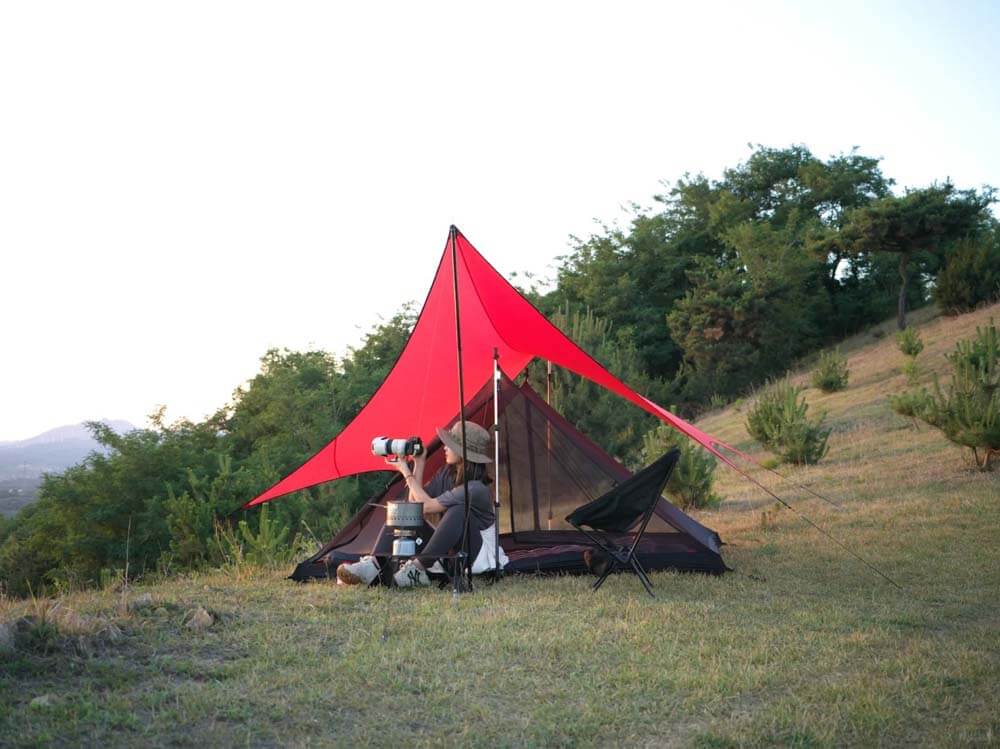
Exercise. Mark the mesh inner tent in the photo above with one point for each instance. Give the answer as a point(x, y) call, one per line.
point(547, 467)
point(544, 475)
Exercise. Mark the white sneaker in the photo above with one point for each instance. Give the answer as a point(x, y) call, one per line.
point(365, 570)
point(411, 576)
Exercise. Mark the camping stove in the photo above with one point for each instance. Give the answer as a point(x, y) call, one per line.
point(404, 519)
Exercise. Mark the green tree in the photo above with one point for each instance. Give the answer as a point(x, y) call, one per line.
point(293, 407)
point(919, 221)
point(633, 278)
point(745, 320)
point(971, 272)
point(601, 415)
point(171, 484)
point(780, 185)
point(706, 232)
point(83, 517)
point(192, 515)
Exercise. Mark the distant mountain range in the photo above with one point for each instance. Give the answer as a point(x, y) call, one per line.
point(23, 462)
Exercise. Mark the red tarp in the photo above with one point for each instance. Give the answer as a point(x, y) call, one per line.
point(421, 391)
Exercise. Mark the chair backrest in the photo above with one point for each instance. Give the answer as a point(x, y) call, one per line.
point(617, 510)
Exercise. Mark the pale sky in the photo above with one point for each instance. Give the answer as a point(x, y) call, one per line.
point(184, 185)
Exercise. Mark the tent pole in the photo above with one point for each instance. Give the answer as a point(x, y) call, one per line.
point(463, 556)
point(496, 463)
point(548, 438)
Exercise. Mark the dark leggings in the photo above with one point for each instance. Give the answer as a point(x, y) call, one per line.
point(448, 536)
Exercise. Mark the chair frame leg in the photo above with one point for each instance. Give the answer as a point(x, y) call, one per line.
point(621, 559)
point(641, 574)
point(604, 576)
point(642, 570)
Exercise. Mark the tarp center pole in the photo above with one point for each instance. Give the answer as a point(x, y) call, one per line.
point(548, 439)
point(463, 557)
point(496, 463)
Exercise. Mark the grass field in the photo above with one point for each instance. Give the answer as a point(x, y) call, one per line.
point(814, 650)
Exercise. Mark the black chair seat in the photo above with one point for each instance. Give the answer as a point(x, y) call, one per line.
point(619, 509)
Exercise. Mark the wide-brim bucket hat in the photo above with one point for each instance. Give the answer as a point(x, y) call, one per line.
point(477, 441)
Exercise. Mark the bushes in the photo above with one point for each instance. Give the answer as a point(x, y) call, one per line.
point(968, 412)
point(691, 482)
point(191, 515)
point(909, 342)
point(779, 422)
point(971, 274)
point(831, 372)
point(170, 484)
point(912, 370)
point(241, 547)
point(910, 404)
point(803, 441)
point(764, 420)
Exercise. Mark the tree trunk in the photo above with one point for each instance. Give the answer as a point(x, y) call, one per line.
point(904, 261)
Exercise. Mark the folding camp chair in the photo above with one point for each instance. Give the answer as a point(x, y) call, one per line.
point(619, 509)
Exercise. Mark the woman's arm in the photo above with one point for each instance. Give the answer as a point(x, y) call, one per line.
point(419, 494)
point(419, 461)
point(415, 485)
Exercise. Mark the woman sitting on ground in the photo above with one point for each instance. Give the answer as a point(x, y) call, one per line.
point(444, 493)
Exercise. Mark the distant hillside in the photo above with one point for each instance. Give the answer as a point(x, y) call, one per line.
point(23, 462)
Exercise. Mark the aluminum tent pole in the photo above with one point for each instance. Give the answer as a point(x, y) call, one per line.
point(548, 439)
point(496, 463)
point(463, 556)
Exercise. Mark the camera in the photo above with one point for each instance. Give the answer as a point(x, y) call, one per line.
point(395, 448)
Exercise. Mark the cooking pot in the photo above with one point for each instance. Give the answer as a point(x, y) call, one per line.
point(404, 514)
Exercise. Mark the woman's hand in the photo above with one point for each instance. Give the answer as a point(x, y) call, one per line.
point(400, 465)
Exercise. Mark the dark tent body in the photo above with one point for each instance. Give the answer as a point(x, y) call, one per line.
point(547, 469)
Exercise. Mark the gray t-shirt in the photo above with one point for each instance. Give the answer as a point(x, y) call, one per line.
point(480, 497)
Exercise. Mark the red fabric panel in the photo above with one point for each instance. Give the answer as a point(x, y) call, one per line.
point(421, 391)
point(523, 328)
